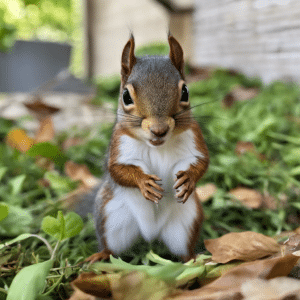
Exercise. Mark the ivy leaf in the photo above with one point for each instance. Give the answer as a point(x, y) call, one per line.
point(30, 281)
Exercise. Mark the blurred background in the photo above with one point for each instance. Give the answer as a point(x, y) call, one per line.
point(258, 37)
point(59, 88)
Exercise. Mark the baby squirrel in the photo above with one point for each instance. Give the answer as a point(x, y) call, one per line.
point(156, 156)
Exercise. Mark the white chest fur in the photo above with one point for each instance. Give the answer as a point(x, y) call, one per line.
point(167, 219)
point(164, 161)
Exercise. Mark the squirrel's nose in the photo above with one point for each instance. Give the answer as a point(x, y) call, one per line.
point(160, 131)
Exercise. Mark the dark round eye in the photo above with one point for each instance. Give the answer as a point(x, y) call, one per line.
point(126, 98)
point(184, 94)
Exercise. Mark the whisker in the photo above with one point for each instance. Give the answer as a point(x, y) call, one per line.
point(187, 109)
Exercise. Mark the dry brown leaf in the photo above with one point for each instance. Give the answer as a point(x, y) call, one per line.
point(274, 289)
point(270, 202)
point(229, 285)
point(17, 138)
point(96, 285)
point(139, 286)
point(80, 172)
point(249, 197)
point(245, 246)
point(206, 191)
point(124, 286)
point(239, 93)
point(79, 295)
point(243, 147)
point(46, 131)
point(198, 73)
point(293, 241)
point(41, 109)
point(69, 142)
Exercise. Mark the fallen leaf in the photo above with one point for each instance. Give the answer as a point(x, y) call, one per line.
point(79, 295)
point(245, 246)
point(124, 286)
point(249, 197)
point(243, 147)
point(81, 173)
point(17, 138)
point(41, 109)
point(270, 202)
point(139, 286)
point(206, 191)
point(70, 142)
point(274, 289)
point(198, 73)
point(239, 93)
point(45, 132)
point(96, 285)
point(229, 285)
point(228, 100)
point(293, 241)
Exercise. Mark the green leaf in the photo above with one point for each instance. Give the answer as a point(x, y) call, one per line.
point(157, 259)
point(59, 183)
point(295, 171)
point(29, 282)
point(2, 172)
point(48, 150)
point(17, 222)
point(3, 211)
point(17, 184)
point(55, 226)
point(73, 224)
point(17, 239)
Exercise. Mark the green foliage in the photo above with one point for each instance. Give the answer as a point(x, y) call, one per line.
point(49, 150)
point(3, 211)
point(30, 281)
point(62, 227)
point(153, 49)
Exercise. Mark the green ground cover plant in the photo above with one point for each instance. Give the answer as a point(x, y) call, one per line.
point(270, 122)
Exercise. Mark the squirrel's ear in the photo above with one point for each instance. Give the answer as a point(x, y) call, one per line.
point(176, 54)
point(128, 58)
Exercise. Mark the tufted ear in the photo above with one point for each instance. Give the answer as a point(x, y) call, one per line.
point(128, 59)
point(176, 54)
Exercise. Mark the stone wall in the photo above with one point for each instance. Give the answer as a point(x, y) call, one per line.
point(258, 37)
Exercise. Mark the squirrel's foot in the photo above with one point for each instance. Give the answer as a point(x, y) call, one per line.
point(186, 185)
point(103, 255)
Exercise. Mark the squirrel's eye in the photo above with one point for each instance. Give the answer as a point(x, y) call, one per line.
point(126, 98)
point(184, 94)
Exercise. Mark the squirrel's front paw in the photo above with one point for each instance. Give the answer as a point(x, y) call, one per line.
point(186, 184)
point(147, 187)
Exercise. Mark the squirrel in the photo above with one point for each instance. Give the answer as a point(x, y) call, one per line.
point(156, 155)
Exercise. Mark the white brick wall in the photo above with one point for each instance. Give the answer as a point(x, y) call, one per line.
point(258, 37)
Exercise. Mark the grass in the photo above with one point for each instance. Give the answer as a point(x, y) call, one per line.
point(271, 121)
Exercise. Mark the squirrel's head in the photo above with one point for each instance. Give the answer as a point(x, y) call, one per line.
point(154, 99)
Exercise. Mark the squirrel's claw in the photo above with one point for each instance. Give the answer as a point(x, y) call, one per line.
point(186, 184)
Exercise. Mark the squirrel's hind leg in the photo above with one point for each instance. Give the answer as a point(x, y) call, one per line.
point(181, 231)
point(116, 227)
